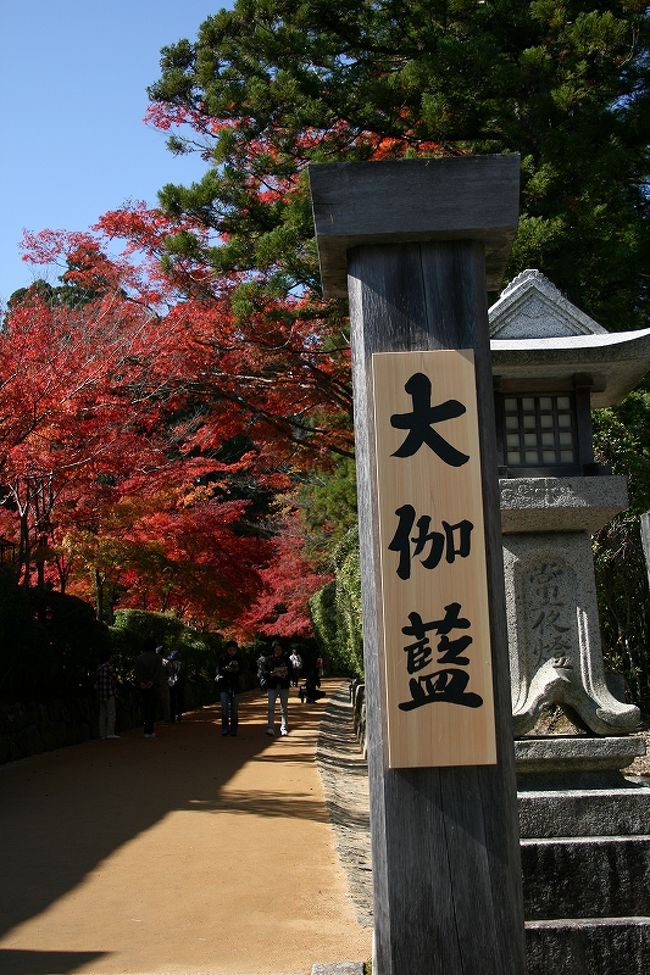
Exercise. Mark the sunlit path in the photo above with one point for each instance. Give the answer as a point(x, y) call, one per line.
point(189, 853)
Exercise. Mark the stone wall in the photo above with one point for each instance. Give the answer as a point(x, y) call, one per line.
point(28, 728)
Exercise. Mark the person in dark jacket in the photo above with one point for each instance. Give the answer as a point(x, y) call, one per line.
point(278, 675)
point(148, 677)
point(229, 686)
point(105, 685)
point(175, 672)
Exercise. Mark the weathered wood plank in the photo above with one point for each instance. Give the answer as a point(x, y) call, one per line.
point(446, 861)
point(408, 200)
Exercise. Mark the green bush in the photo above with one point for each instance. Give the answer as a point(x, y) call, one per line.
point(348, 600)
point(624, 606)
point(336, 611)
point(132, 627)
point(200, 649)
point(621, 442)
point(322, 607)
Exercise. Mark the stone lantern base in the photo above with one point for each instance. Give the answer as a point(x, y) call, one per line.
point(553, 626)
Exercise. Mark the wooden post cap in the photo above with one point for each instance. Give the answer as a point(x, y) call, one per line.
point(414, 200)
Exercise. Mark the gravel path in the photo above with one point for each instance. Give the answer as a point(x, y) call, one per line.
point(344, 773)
point(192, 854)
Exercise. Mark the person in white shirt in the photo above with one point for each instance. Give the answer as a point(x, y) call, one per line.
point(296, 663)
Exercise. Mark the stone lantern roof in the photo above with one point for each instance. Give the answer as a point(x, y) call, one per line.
point(536, 333)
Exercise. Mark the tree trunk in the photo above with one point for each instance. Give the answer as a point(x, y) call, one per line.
point(99, 594)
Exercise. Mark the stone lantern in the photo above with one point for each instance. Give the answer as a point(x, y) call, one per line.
point(552, 364)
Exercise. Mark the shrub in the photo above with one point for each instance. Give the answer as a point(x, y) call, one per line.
point(200, 650)
point(336, 611)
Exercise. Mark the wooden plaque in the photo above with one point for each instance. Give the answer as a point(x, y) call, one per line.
point(436, 629)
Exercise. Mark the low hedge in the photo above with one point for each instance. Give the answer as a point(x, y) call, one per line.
point(336, 612)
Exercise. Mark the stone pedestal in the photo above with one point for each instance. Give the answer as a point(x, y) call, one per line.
point(585, 856)
point(584, 828)
point(553, 626)
point(597, 760)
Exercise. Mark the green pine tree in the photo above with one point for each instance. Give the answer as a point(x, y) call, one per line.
point(273, 84)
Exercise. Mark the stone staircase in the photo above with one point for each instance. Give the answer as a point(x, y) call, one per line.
point(585, 849)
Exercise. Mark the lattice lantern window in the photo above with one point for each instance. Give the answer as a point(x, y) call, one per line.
point(544, 433)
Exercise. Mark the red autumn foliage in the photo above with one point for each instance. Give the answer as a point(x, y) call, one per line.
point(288, 582)
point(200, 390)
point(111, 414)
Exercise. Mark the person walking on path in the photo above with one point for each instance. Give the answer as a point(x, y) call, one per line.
point(175, 673)
point(105, 689)
point(148, 673)
point(319, 667)
point(296, 663)
point(229, 686)
point(163, 708)
point(278, 673)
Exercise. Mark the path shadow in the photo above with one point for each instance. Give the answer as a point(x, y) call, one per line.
point(47, 962)
point(64, 812)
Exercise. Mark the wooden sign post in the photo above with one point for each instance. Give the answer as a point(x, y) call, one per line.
point(410, 242)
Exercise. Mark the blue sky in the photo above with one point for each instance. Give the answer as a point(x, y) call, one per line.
point(73, 79)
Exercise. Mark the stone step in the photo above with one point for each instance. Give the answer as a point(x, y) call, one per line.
point(584, 812)
point(586, 877)
point(591, 946)
point(568, 754)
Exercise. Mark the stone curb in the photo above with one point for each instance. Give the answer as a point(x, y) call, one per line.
point(340, 968)
point(344, 775)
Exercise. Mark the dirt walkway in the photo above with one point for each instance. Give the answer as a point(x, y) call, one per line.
point(190, 853)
